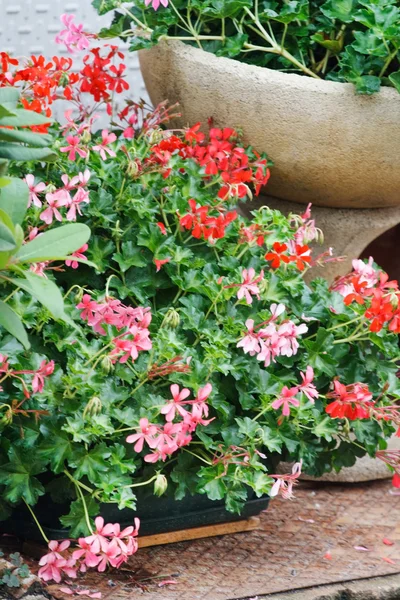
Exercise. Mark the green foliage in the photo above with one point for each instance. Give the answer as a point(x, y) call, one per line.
point(357, 41)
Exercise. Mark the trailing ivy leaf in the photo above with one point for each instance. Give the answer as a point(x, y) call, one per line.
point(75, 520)
point(18, 476)
point(90, 462)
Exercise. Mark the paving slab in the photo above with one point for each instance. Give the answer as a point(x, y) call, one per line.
point(329, 535)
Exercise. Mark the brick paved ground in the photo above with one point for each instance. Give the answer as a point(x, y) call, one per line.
point(286, 553)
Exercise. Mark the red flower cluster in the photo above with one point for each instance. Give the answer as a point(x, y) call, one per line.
point(201, 225)
point(100, 76)
point(167, 439)
point(350, 401)
point(111, 312)
point(392, 459)
point(287, 253)
point(366, 286)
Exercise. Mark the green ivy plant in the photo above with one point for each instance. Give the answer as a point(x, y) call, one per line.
point(354, 41)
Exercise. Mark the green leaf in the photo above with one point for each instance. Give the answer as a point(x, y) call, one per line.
point(7, 239)
point(54, 244)
point(343, 10)
point(23, 153)
point(91, 462)
point(40, 140)
point(326, 429)
point(44, 290)
point(75, 521)
point(319, 352)
point(18, 476)
point(395, 79)
point(24, 118)
point(57, 448)
point(104, 6)
point(14, 199)
point(12, 323)
point(131, 256)
point(9, 95)
point(335, 46)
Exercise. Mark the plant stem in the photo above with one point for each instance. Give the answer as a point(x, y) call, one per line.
point(387, 62)
point(141, 483)
point(137, 21)
point(46, 539)
point(87, 518)
point(197, 456)
point(76, 482)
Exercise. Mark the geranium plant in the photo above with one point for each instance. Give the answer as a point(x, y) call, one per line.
point(195, 356)
point(355, 41)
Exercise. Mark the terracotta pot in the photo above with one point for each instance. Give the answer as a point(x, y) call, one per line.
point(330, 146)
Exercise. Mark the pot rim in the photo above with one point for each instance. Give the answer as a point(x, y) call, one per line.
point(293, 80)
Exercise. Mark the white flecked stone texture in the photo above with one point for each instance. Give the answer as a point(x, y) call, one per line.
point(330, 146)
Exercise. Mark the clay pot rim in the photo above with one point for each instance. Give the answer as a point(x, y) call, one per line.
point(292, 80)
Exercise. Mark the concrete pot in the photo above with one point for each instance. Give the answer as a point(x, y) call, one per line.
point(330, 146)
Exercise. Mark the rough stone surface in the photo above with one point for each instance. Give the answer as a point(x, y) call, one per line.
point(347, 231)
point(286, 554)
point(376, 588)
point(330, 146)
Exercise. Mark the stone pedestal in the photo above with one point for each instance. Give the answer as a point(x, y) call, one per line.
point(348, 231)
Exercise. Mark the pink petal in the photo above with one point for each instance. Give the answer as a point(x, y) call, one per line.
point(167, 582)
point(362, 549)
point(387, 542)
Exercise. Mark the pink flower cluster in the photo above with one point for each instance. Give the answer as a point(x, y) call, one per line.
point(284, 483)
point(307, 232)
point(272, 340)
point(77, 145)
point(60, 197)
point(73, 35)
point(39, 375)
point(134, 321)
point(287, 396)
point(106, 546)
point(165, 440)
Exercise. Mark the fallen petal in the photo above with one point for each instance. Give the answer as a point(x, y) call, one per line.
point(362, 549)
point(306, 520)
point(167, 582)
point(328, 556)
point(66, 590)
point(387, 542)
point(388, 560)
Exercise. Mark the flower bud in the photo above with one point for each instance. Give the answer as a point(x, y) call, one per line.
point(79, 295)
point(160, 484)
point(172, 319)
point(93, 407)
point(107, 364)
point(155, 136)
point(132, 169)
point(86, 136)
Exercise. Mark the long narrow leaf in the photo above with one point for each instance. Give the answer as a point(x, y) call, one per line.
point(23, 153)
point(54, 244)
point(39, 140)
point(12, 323)
point(44, 290)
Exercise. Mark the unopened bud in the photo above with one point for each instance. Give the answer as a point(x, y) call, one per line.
point(78, 296)
point(132, 169)
point(172, 319)
point(93, 407)
point(160, 484)
point(107, 364)
point(86, 136)
point(155, 136)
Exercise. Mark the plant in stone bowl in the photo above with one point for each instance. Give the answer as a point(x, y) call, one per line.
point(196, 356)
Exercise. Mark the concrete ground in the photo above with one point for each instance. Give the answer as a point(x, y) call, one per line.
point(333, 542)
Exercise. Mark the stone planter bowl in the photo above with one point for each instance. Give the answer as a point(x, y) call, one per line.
point(330, 146)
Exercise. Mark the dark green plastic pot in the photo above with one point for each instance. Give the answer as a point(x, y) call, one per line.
point(157, 515)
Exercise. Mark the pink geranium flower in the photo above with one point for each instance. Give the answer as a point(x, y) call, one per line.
point(284, 483)
point(146, 433)
point(107, 138)
point(34, 190)
point(78, 254)
point(251, 341)
point(46, 369)
point(286, 398)
point(249, 287)
point(175, 405)
point(74, 147)
point(73, 35)
point(156, 3)
point(53, 564)
point(307, 387)
point(55, 200)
